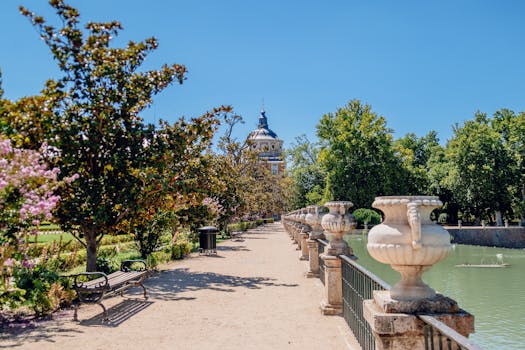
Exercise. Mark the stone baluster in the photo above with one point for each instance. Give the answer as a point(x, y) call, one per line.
point(300, 228)
point(294, 226)
point(336, 222)
point(411, 243)
point(303, 236)
point(313, 219)
point(286, 223)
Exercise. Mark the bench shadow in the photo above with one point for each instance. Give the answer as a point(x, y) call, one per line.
point(118, 313)
point(165, 285)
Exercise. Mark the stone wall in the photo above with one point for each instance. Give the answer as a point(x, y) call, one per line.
point(504, 237)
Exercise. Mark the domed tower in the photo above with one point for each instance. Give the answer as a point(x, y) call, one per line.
point(268, 144)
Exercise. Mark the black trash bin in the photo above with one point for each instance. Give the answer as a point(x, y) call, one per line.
point(208, 240)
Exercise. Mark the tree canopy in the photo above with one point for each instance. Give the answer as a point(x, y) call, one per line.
point(358, 155)
point(96, 127)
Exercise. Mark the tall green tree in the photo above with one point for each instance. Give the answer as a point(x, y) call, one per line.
point(511, 126)
point(358, 156)
point(480, 172)
point(306, 173)
point(96, 120)
point(415, 153)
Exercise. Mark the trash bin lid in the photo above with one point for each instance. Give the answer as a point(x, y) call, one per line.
point(208, 229)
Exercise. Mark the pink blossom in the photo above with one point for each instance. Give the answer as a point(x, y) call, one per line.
point(27, 264)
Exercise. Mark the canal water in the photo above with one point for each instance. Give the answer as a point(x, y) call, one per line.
point(495, 296)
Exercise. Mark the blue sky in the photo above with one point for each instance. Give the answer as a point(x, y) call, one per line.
point(423, 65)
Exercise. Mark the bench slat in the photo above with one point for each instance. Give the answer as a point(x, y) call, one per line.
point(114, 279)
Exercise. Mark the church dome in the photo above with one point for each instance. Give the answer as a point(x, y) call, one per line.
point(263, 132)
point(265, 140)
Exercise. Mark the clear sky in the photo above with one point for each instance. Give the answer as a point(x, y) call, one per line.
point(423, 65)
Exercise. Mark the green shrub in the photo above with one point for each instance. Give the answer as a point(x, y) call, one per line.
point(37, 288)
point(369, 216)
point(186, 248)
point(106, 265)
point(176, 252)
point(156, 258)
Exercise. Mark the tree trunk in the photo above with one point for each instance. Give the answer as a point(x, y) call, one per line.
point(91, 245)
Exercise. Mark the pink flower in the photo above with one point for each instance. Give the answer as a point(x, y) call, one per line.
point(27, 264)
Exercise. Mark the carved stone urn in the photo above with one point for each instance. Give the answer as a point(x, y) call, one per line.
point(338, 221)
point(409, 241)
point(313, 219)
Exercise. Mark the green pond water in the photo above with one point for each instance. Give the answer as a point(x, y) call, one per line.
point(495, 296)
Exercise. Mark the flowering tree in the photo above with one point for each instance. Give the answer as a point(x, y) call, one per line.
point(27, 188)
point(96, 123)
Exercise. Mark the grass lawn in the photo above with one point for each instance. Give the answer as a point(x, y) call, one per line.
point(130, 255)
point(46, 238)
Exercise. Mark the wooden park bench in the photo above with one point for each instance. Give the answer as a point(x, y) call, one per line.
point(92, 287)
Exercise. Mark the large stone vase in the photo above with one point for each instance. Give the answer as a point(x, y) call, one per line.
point(338, 221)
point(408, 241)
point(313, 219)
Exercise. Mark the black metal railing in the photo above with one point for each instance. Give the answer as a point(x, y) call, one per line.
point(321, 244)
point(439, 336)
point(358, 285)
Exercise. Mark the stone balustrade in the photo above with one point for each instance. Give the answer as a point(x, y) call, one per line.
point(408, 241)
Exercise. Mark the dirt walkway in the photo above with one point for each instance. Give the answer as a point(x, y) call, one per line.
point(252, 295)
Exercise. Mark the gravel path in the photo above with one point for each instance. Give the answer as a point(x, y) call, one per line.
point(252, 295)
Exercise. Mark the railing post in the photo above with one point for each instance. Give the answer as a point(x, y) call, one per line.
point(336, 222)
point(409, 242)
point(397, 325)
point(313, 219)
point(313, 258)
point(332, 302)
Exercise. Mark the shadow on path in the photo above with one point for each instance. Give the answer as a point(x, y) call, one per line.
point(167, 284)
point(118, 313)
point(37, 331)
point(233, 248)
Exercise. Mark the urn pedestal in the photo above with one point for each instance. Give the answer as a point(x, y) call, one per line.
point(396, 325)
point(332, 302)
point(313, 219)
point(337, 222)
